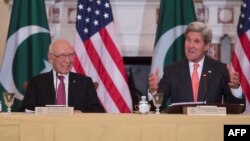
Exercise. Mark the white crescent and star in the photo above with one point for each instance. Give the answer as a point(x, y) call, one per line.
point(12, 44)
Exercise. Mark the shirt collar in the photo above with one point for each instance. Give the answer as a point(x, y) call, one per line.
point(56, 74)
point(201, 62)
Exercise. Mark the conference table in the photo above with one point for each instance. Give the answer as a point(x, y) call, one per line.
point(115, 127)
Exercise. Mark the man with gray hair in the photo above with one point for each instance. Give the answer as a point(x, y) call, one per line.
point(60, 86)
point(197, 78)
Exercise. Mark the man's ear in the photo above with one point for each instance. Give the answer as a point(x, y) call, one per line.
point(207, 46)
point(50, 58)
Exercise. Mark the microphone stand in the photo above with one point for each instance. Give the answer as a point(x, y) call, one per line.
point(205, 87)
point(56, 87)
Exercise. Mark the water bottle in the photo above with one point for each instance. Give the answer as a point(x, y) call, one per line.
point(144, 106)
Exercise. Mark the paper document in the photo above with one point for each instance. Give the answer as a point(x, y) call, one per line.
point(188, 103)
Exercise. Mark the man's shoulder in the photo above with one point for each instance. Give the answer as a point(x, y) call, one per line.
point(41, 78)
point(214, 62)
point(79, 76)
point(177, 64)
point(43, 75)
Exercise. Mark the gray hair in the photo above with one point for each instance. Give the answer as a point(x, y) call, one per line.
point(201, 28)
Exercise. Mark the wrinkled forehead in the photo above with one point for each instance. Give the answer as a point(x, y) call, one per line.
point(62, 47)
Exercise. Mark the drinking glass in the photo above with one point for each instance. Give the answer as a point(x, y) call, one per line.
point(157, 100)
point(9, 100)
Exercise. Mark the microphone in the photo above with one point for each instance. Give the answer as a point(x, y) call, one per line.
point(56, 87)
point(205, 87)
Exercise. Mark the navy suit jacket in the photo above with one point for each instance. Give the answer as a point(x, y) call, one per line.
point(176, 83)
point(81, 93)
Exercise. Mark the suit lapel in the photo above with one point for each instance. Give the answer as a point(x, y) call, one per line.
point(205, 80)
point(71, 89)
point(51, 89)
point(185, 76)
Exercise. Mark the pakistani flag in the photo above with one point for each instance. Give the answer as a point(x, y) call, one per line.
point(26, 48)
point(174, 16)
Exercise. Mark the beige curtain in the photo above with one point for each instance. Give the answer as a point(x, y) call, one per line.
point(4, 24)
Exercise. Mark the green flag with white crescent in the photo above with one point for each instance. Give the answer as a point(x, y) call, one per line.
point(26, 48)
point(174, 16)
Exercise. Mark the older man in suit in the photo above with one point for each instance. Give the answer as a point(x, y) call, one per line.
point(60, 86)
point(197, 77)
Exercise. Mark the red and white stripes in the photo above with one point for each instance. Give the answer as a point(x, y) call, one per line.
point(99, 58)
point(241, 63)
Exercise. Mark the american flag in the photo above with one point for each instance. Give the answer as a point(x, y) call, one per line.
point(98, 56)
point(241, 53)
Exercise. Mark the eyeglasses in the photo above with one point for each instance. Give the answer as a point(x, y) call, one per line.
point(64, 56)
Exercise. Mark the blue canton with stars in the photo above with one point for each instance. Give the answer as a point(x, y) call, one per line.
point(244, 19)
point(92, 15)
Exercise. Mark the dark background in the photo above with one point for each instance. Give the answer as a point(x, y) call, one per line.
point(245, 137)
point(138, 69)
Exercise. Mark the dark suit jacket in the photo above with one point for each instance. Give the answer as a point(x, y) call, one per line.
point(81, 93)
point(177, 84)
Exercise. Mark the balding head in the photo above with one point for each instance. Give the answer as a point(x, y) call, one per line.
point(60, 43)
point(61, 55)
